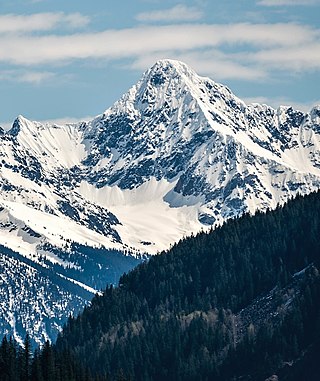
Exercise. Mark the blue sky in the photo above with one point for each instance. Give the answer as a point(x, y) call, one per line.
point(70, 60)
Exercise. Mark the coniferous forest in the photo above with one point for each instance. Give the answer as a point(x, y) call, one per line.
point(239, 303)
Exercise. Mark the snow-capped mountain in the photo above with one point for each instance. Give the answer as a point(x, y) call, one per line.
point(176, 154)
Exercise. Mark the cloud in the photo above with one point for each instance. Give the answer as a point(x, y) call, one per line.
point(178, 13)
point(35, 77)
point(276, 102)
point(226, 51)
point(32, 77)
point(66, 120)
point(298, 59)
point(56, 121)
point(12, 23)
point(212, 62)
point(278, 3)
point(133, 42)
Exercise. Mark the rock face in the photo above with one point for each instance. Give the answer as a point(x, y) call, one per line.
point(176, 154)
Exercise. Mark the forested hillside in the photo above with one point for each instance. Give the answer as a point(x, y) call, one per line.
point(216, 306)
point(239, 303)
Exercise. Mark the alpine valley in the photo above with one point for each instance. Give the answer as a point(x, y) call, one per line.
point(80, 204)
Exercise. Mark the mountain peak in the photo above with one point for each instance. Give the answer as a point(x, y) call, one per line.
point(161, 83)
point(169, 63)
point(16, 126)
point(165, 68)
point(22, 124)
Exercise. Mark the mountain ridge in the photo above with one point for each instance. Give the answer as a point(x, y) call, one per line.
point(177, 154)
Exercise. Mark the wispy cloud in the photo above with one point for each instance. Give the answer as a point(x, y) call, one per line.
point(179, 12)
point(66, 120)
point(12, 23)
point(211, 62)
point(244, 50)
point(32, 77)
point(55, 121)
point(129, 43)
point(276, 102)
point(297, 59)
point(35, 77)
point(278, 3)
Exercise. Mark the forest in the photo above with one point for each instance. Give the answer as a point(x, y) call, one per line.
point(241, 302)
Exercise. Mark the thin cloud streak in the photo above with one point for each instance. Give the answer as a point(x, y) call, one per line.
point(128, 43)
point(297, 59)
point(56, 121)
point(213, 63)
point(179, 12)
point(66, 120)
point(32, 77)
point(277, 102)
point(279, 3)
point(36, 77)
point(40, 22)
point(259, 48)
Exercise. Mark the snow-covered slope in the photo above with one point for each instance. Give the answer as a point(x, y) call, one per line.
point(34, 299)
point(176, 154)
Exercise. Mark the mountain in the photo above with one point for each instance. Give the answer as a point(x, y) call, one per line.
point(38, 294)
point(177, 153)
point(239, 303)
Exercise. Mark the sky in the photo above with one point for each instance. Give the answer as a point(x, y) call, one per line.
point(71, 60)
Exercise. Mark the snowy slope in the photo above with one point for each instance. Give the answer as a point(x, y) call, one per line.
point(56, 298)
point(176, 154)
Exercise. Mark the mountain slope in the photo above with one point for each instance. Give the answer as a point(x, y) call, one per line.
point(177, 153)
point(181, 145)
point(37, 298)
point(239, 303)
point(56, 298)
